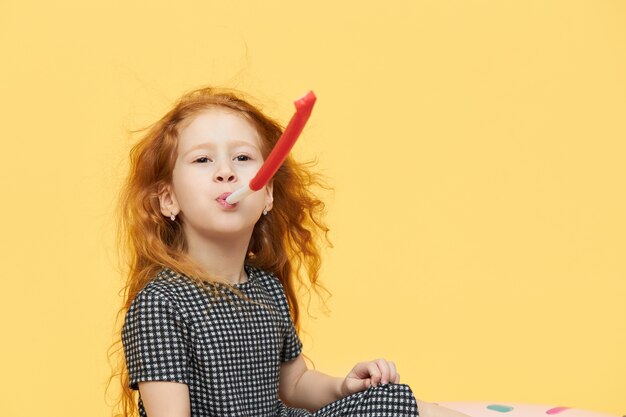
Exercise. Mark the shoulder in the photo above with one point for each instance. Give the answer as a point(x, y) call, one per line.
point(266, 279)
point(272, 285)
point(168, 288)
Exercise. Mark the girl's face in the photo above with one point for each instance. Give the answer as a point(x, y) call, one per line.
point(218, 152)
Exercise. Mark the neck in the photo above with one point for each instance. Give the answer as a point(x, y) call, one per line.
point(221, 257)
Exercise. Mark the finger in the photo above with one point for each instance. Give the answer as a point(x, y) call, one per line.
point(383, 366)
point(397, 380)
point(392, 372)
point(355, 385)
point(359, 371)
point(374, 372)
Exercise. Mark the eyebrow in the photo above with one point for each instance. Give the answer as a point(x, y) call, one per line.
point(209, 145)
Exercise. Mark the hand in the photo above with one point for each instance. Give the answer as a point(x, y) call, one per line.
point(371, 373)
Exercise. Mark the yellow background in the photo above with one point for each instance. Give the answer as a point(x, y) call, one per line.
point(476, 149)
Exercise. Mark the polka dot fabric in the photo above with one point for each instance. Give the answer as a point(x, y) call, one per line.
point(229, 352)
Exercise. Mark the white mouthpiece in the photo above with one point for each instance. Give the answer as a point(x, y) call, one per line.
point(239, 195)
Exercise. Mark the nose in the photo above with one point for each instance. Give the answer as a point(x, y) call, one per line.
point(224, 173)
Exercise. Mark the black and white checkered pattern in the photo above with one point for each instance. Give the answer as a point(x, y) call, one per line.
point(387, 400)
point(229, 352)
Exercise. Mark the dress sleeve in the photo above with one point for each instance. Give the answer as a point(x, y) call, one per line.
point(291, 344)
point(156, 341)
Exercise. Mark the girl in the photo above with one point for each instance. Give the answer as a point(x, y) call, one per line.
point(210, 303)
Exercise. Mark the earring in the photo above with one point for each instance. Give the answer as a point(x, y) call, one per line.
point(173, 216)
point(265, 212)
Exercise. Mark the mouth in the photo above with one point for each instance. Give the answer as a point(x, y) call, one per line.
point(222, 200)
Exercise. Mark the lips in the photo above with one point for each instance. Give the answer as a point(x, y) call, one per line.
point(222, 200)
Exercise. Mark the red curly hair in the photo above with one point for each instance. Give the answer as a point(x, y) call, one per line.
point(286, 243)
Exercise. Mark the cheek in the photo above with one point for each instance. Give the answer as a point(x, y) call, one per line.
point(248, 172)
point(258, 200)
point(186, 187)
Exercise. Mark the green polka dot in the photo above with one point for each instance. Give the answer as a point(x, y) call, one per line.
point(500, 408)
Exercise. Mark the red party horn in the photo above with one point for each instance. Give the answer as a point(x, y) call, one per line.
point(304, 107)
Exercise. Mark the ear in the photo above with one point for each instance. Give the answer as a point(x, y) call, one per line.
point(269, 196)
point(167, 201)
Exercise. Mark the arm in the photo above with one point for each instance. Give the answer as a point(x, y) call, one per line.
point(301, 387)
point(165, 399)
point(306, 388)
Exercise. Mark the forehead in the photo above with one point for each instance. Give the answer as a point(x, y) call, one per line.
point(215, 126)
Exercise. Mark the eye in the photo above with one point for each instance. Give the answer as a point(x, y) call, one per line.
point(242, 158)
point(202, 160)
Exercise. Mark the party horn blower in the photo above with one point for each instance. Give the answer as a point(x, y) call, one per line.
point(304, 106)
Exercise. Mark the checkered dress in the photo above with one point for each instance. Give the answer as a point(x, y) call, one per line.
point(229, 352)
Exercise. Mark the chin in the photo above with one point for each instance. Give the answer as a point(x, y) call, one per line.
point(230, 230)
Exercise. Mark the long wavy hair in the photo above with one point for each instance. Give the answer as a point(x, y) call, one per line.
point(287, 242)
